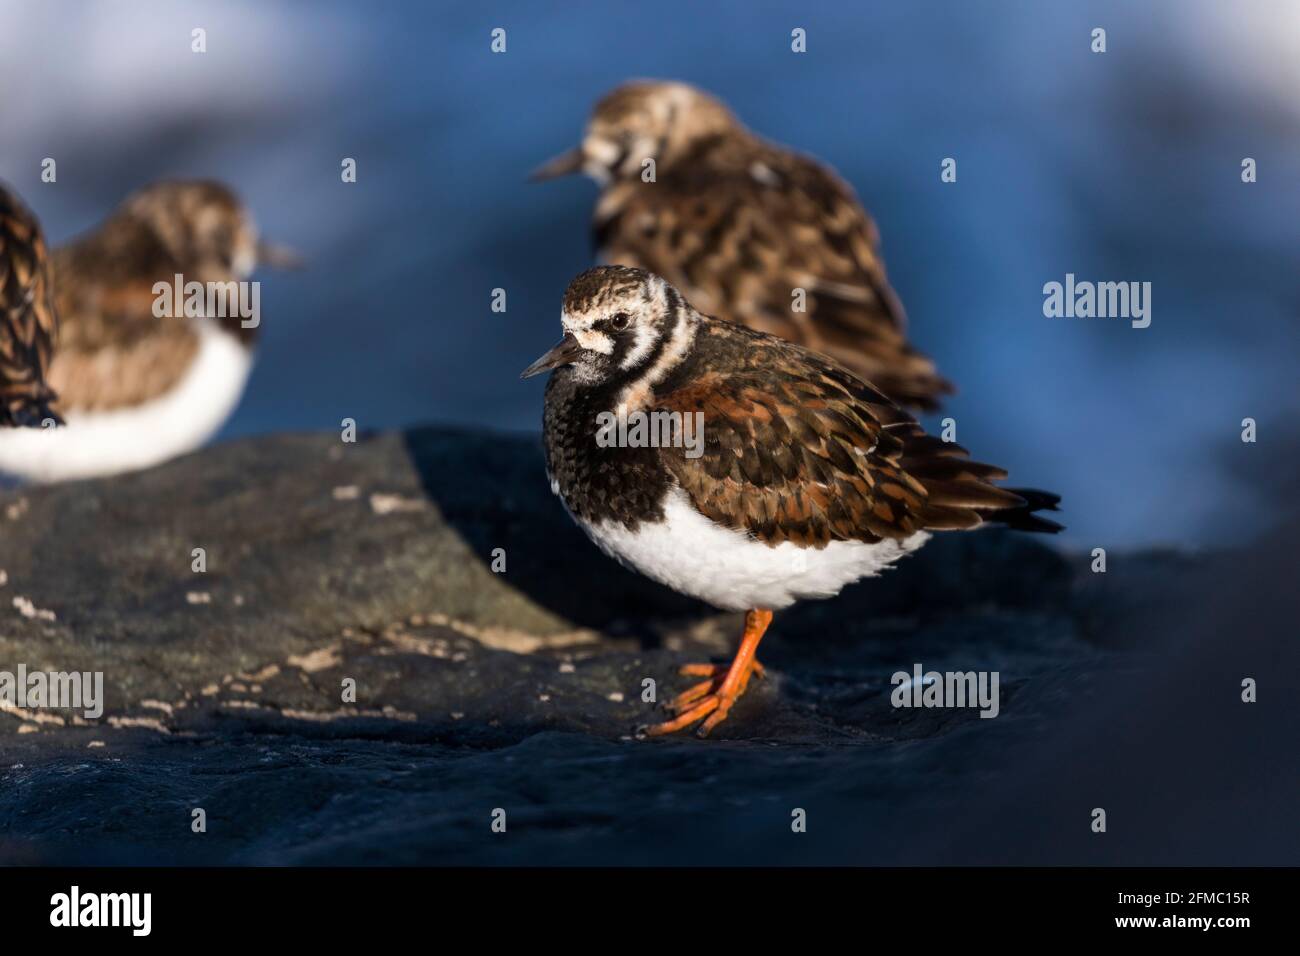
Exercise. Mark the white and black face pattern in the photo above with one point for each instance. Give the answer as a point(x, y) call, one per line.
point(618, 150)
point(631, 333)
point(646, 120)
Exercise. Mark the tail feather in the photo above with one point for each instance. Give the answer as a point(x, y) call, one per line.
point(959, 492)
point(1023, 518)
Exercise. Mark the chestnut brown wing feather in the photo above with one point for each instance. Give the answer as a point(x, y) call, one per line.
point(28, 322)
point(741, 226)
point(798, 449)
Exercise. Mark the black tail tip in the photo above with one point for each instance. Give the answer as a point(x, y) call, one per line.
point(1037, 500)
point(1023, 518)
point(1031, 522)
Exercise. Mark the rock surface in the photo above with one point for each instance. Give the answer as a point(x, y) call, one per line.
point(520, 689)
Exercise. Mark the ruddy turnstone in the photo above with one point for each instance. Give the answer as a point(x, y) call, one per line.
point(741, 225)
point(136, 388)
point(28, 324)
point(808, 478)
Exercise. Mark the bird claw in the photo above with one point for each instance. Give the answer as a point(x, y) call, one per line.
point(712, 698)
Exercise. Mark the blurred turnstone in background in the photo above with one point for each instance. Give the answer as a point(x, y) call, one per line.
point(156, 340)
point(28, 323)
point(750, 231)
point(809, 477)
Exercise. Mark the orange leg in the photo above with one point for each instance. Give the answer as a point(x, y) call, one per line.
point(716, 674)
point(714, 702)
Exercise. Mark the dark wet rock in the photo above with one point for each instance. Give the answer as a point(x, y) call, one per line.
point(476, 690)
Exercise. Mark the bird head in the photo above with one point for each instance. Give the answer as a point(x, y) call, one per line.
point(204, 227)
point(640, 120)
point(621, 325)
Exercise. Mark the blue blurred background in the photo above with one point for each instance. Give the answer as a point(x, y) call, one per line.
point(1119, 166)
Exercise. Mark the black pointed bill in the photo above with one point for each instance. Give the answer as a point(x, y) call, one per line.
point(565, 352)
point(566, 164)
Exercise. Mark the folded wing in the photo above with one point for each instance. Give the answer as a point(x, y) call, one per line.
point(811, 454)
point(28, 323)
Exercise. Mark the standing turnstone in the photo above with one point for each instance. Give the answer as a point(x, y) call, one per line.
point(28, 323)
point(740, 225)
point(807, 478)
point(136, 388)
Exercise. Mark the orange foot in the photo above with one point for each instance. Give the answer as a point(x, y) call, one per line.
point(714, 697)
point(716, 675)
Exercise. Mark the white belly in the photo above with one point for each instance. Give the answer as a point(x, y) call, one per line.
point(728, 569)
point(105, 443)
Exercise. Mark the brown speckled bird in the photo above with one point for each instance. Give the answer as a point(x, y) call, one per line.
point(739, 224)
point(136, 388)
point(28, 322)
point(807, 477)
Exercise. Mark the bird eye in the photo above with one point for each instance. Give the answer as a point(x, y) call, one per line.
point(619, 321)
